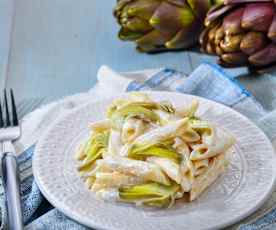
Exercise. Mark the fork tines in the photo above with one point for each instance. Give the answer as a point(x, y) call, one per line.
point(8, 119)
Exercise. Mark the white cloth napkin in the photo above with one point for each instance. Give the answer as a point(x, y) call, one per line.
point(109, 83)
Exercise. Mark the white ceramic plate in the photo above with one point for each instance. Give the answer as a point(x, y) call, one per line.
point(246, 184)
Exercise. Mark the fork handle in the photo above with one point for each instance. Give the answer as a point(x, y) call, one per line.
point(10, 174)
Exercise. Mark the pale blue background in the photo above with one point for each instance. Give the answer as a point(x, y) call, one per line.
point(57, 47)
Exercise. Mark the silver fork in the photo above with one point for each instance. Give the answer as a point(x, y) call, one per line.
point(9, 132)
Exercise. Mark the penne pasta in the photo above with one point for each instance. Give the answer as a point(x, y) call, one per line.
point(203, 181)
point(190, 135)
point(169, 131)
point(114, 179)
point(114, 144)
point(147, 171)
point(151, 153)
point(186, 183)
point(181, 146)
point(221, 143)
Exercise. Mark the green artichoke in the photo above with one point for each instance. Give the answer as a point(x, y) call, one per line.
point(158, 25)
point(150, 194)
point(242, 33)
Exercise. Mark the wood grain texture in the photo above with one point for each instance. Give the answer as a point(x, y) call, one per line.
point(6, 16)
point(58, 45)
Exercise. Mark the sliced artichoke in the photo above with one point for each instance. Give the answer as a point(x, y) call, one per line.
point(94, 149)
point(151, 194)
point(242, 33)
point(131, 110)
point(88, 165)
point(166, 106)
point(155, 151)
point(157, 25)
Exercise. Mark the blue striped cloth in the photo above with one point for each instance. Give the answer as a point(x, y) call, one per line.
point(207, 81)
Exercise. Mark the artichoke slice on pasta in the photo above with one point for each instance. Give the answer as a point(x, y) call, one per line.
point(155, 151)
point(145, 170)
point(134, 97)
point(150, 194)
point(119, 116)
point(94, 149)
point(139, 99)
point(115, 105)
point(89, 164)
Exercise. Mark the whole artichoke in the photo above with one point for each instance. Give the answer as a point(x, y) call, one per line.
point(242, 32)
point(157, 25)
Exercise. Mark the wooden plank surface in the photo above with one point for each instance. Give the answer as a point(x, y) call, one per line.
point(6, 15)
point(57, 47)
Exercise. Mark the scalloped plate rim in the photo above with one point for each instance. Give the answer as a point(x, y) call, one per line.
point(89, 222)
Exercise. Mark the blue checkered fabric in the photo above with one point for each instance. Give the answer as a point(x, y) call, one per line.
point(207, 81)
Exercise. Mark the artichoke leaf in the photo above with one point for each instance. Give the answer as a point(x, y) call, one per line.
point(165, 106)
point(160, 25)
point(94, 149)
point(151, 194)
point(126, 34)
point(158, 152)
point(88, 165)
point(119, 116)
point(115, 105)
point(158, 202)
point(142, 147)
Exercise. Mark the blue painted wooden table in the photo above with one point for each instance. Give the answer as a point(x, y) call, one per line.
point(57, 46)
